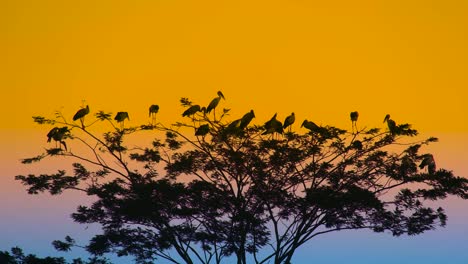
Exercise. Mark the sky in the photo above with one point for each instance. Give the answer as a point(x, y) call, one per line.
point(319, 59)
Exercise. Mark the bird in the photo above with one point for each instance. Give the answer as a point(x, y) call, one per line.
point(246, 119)
point(273, 126)
point(429, 162)
point(310, 125)
point(51, 133)
point(289, 120)
point(202, 130)
point(80, 114)
point(58, 135)
point(391, 124)
point(191, 110)
point(354, 117)
point(120, 118)
point(153, 110)
point(214, 103)
point(220, 94)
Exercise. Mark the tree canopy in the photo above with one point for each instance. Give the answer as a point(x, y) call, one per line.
point(211, 186)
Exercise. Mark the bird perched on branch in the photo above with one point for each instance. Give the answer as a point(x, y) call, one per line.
point(246, 119)
point(273, 126)
point(120, 118)
point(392, 127)
point(202, 130)
point(310, 125)
point(58, 135)
point(80, 114)
point(153, 110)
point(354, 117)
point(429, 162)
point(191, 110)
point(289, 120)
point(214, 103)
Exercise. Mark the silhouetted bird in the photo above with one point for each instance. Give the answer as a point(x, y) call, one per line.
point(80, 114)
point(51, 133)
point(273, 126)
point(153, 110)
point(58, 135)
point(310, 125)
point(392, 127)
point(202, 130)
point(246, 119)
point(288, 121)
point(354, 117)
point(120, 118)
point(191, 110)
point(214, 103)
point(429, 162)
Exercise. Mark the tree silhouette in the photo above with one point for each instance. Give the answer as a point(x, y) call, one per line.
point(208, 188)
point(17, 257)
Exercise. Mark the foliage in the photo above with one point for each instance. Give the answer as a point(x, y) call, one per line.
point(232, 188)
point(17, 257)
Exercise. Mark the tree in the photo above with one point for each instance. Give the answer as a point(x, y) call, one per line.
point(17, 257)
point(208, 188)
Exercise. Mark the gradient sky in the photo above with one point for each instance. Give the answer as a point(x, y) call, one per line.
point(320, 59)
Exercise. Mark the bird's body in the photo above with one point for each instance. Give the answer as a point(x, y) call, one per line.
point(58, 135)
point(214, 103)
point(246, 119)
point(80, 114)
point(310, 125)
point(429, 162)
point(288, 121)
point(392, 127)
point(273, 126)
point(51, 133)
point(354, 117)
point(202, 130)
point(153, 110)
point(120, 118)
point(191, 110)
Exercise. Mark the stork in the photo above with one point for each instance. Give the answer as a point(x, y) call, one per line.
point(310, 125)
point(429, 162)
point(289, 120)
point(354, 117)
point(391, 124)
point(153, 110)
point(246, 119)
point(273, 126)
point(214, 103)
point(202, 130)
point(58, 135)
point(120, 118)
point(80, 114)
point(191, 110)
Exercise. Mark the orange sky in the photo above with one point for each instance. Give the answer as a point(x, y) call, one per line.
point(318, 59)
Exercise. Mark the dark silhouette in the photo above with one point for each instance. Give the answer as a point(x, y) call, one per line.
point(80, 114)
point(17, 257)
point(231, 189)
point(354, 117)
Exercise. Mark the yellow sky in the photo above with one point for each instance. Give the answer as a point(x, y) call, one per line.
point(321, 59)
